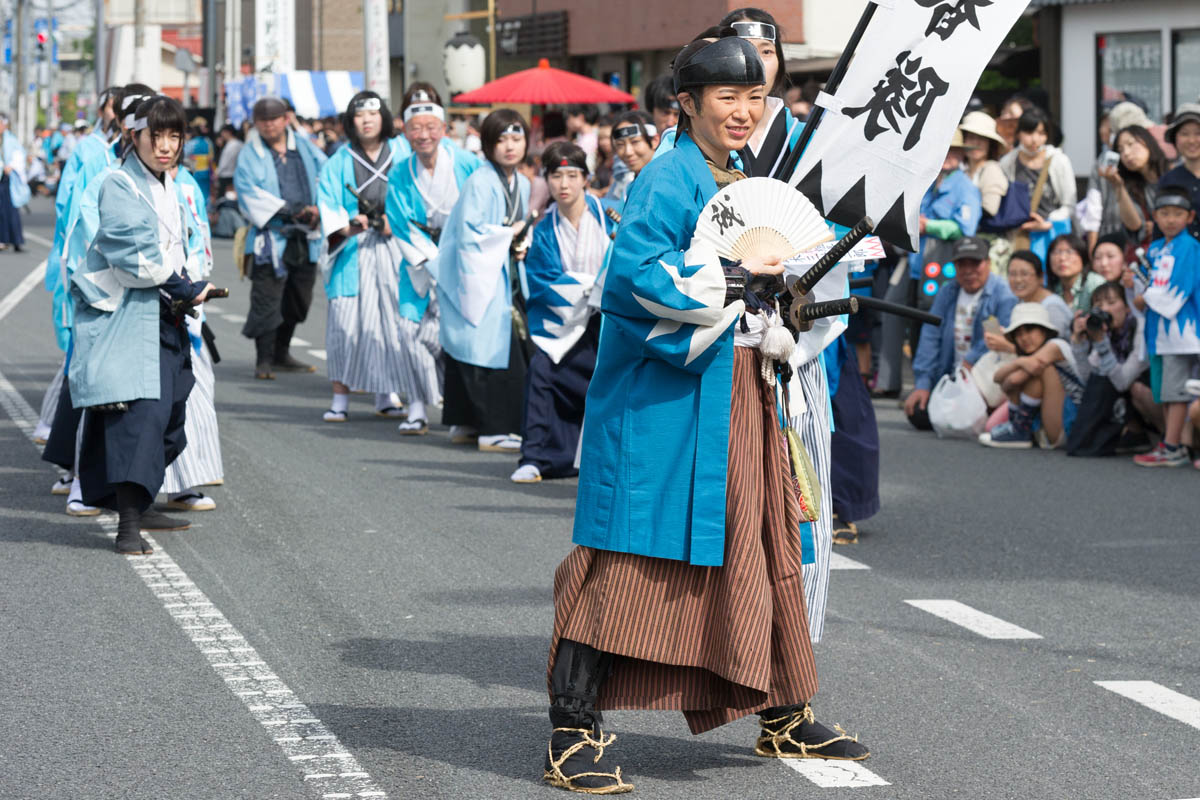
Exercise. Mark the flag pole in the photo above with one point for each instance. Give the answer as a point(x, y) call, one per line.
point(831, 86)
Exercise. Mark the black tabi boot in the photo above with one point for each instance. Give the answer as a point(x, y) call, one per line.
point(793, 732)
point(283, 359)
point(574, 755)
point(264, 354)
point(129, 522)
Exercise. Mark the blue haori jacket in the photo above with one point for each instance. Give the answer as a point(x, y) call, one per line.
point(404, 204)
point(935, 350)
point(257, 186)
point(472, 272)
point(656, 430)
point(116, 332)
point(339, 267)
point(1173, 297)
point(558, 304)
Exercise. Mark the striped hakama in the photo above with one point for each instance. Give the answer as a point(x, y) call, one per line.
point(362, 336)
point(50, 398)
point(421, 351)
point(813, 427)
point(717, 643)
point(200, 461)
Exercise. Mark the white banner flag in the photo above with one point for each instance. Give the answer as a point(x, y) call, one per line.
point(885, 131)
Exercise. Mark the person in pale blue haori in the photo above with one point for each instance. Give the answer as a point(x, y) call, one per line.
point(486, 231)
point(130, 368)
point(96, 145)
point(569, 251)
point(14, 191)
point(422, 191)
point(360, 262)
point(276, 183)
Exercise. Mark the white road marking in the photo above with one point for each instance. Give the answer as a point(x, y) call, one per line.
point(318, 354)
point(235, 318)
point(829, 774)
point(43, 241)
point(1158, 698)
point(298, 342)
point(839, 561)
point(973, 620)
point(23, 288)
point(298, 732)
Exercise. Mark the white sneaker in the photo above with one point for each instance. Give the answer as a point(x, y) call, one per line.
point(76, 508)
point(526, 473)
point(190, 501)
point(463, 434)
point(61, 486)
point(500, 443)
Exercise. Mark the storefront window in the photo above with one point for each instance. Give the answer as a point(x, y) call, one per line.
point(1131, 68)
point(1186, 63)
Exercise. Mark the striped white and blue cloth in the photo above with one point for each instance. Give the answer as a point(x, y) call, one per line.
point(314, 94)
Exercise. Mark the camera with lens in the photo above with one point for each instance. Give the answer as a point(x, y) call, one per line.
point(1098, 320)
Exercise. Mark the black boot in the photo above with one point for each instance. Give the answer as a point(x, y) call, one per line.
point(570, 762)
point(129, 521)
point(264, 354)
point(282, 357)
point(793, 732)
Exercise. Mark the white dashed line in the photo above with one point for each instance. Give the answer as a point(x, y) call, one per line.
point(235, 318)
point(23, 288)
point(44, 242)
point(1158, 698)
point(973, 620)
point(838, 561)
point(298, 342)
point(830, 774)
point(302, 737)
point(318, 354)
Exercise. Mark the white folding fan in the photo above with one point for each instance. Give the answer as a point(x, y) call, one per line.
point(761, 217)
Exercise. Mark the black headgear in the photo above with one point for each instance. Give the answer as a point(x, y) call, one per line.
point(730, 61)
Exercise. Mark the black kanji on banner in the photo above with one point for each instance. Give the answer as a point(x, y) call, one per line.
point(947, 16)
point(905, 94)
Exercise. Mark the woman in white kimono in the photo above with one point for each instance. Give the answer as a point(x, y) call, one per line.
point(488, 228)
point(422, 190)
point(362, 262)
point(131, 367)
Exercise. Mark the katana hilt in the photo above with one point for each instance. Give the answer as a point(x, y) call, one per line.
point(835, 254)
point(899, 310)
point(803, 314)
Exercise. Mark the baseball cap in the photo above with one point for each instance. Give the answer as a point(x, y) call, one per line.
point(1187, 112)
point(269, 108)
point(971, 247)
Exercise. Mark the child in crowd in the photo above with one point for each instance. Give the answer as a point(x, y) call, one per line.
point(1036, 392)
point(1110, 353)
point(1172, 306)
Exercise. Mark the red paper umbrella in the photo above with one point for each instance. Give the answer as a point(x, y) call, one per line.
point(544, 85)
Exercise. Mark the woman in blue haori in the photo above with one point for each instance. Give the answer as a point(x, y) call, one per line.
point(685, 589)
point(130, 369)
point(360, 263)
point(569, 249)
point(14, 191)
point(484, 362)
point(422, 190)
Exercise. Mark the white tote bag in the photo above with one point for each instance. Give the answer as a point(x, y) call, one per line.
point(956, 408)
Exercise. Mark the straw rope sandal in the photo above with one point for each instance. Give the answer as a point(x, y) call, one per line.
point(797, 734)
point(571, 741)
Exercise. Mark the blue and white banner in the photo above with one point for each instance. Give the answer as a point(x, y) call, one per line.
point(314, 94)
point(886, 128)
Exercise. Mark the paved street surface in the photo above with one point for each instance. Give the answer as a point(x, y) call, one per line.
point(368, 616)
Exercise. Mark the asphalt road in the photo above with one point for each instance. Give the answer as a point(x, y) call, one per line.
point(366, 615)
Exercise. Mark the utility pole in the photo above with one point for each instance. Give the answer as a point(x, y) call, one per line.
point(19, 72)
point(210, 50)
point(101, 51)
point(378, 73)
point(139, 33)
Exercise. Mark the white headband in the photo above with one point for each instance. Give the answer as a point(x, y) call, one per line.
point(136, 125)
point(513, 127)
point(628, 130)
point(754, 30)
point(367, 104)
point(425, 108)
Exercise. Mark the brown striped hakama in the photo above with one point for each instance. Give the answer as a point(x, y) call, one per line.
point(717, 643)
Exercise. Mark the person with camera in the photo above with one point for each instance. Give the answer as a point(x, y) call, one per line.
point(360, 262)
point(131, 368)
point(276, 183)
point(1172, 306)
point(1110, 354)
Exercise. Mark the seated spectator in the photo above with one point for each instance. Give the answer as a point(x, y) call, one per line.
point(1027, 282)
point(1108, 256)
point(1110, 354)
point(1133, 183)
point(1040, 399)
point(1184, 135)
point(1070, 276)
point(973, 296)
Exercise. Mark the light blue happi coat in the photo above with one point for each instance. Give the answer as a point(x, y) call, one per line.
point(472, 272)
point(259, 197)
point(656, 432)
point(337, 205)
point(116, 329)
point(557, 300)
point(404, 203)
point(92, 156)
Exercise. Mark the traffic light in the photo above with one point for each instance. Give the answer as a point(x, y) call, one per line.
point(43, 40)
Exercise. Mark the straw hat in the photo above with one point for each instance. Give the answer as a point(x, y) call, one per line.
point(980, 124)
point(957, 141)
point(1029, 314)
point(1126, 113)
